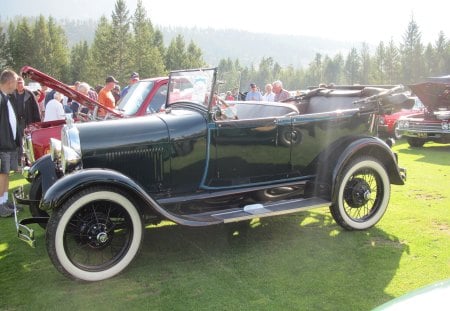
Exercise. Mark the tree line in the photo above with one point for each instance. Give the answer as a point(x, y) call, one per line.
point(129, 42)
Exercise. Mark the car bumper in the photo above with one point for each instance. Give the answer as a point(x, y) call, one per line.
point(24, 232)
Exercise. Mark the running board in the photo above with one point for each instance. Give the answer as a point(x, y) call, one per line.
point(271, 209)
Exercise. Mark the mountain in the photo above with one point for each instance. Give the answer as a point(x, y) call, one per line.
point(250, 47)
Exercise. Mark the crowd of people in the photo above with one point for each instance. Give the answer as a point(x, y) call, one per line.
point(273, 92)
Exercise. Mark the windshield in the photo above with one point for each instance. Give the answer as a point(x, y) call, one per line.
point(135, 97)
point(193, 86)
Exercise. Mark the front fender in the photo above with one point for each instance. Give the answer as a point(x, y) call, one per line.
point(65, 187)
point(45, 167)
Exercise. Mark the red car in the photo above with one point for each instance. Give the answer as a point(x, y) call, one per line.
point(388, 123)
point(144, 97)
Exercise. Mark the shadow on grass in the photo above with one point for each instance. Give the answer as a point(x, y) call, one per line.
point(430, 153)
point(297, 262)
point(290, 262)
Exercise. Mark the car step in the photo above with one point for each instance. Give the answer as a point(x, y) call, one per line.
point(271, 209)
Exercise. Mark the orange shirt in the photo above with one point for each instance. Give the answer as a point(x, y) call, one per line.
point(106, 98)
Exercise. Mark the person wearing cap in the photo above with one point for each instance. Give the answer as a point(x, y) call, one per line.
point(105, 96)
point(253, 94)
point(134, 77)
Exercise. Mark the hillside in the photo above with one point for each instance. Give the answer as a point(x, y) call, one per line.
point(217, 44)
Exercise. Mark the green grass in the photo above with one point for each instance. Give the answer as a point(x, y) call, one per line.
point(298, 262)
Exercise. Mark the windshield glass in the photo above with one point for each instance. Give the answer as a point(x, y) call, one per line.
point(135, 97)
point(193, 86)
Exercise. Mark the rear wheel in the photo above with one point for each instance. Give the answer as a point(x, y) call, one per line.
point(362, 194)
point(95, 234)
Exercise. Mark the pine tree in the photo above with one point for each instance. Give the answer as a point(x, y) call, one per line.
point(20, 43)
point(41, 45)
point(120, 42)
point(378, 64)
point(5, 55)
point(365, 63)
point(176, 55)
point(145, 56)
point(102, 52)
point(392, 64)
point(412, 54)
point(352, 67)
point(80, 60)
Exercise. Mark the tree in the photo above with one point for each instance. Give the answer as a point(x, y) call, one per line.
point(146, 58)
point(378, 64)
point(442, 55)
point(80, 62)
point(101, 51)
point(352, 67)
point(392, 64)
point(5, 55)
point(365, 63)
point(41, 45)
point(412, 54)
point(20, 43)
point(120, 42)
point(58, 52)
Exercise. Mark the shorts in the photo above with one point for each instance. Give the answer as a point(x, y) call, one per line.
point(8, 161)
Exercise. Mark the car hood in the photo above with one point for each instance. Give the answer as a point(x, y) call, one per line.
point(42, 78)
point(434, 93)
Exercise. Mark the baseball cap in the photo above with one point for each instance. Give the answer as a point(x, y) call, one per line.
point(134, 75)
point(111, 79)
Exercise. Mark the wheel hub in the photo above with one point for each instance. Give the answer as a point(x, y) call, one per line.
point(95, 230)
point(357, 192)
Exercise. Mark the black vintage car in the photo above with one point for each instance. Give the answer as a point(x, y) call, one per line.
point(205, 162)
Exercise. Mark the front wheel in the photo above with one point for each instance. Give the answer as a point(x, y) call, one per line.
point(95, 234)
point(363, 192)
point(397, 134)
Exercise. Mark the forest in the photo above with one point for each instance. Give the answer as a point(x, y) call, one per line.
point(128, 42)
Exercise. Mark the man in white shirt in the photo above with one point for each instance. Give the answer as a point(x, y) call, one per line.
point(54, 109)
point(9, 137)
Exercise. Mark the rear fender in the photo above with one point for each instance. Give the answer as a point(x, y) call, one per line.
point(335, 160)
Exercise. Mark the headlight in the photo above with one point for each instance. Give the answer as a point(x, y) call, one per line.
point(70, 148)
point(403, 124)
point(445, 126)
point(69, 159)
point(381, 121)
point(70, 137)
point(55, 149)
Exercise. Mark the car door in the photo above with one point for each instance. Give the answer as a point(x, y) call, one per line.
point(245, 152)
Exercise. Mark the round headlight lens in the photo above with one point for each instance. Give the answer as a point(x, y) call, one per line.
point(445, 126)
point(69, 159)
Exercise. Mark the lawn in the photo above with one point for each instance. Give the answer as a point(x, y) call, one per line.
point(295, 262)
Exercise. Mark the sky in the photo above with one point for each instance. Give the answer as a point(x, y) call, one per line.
point(346, 20)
